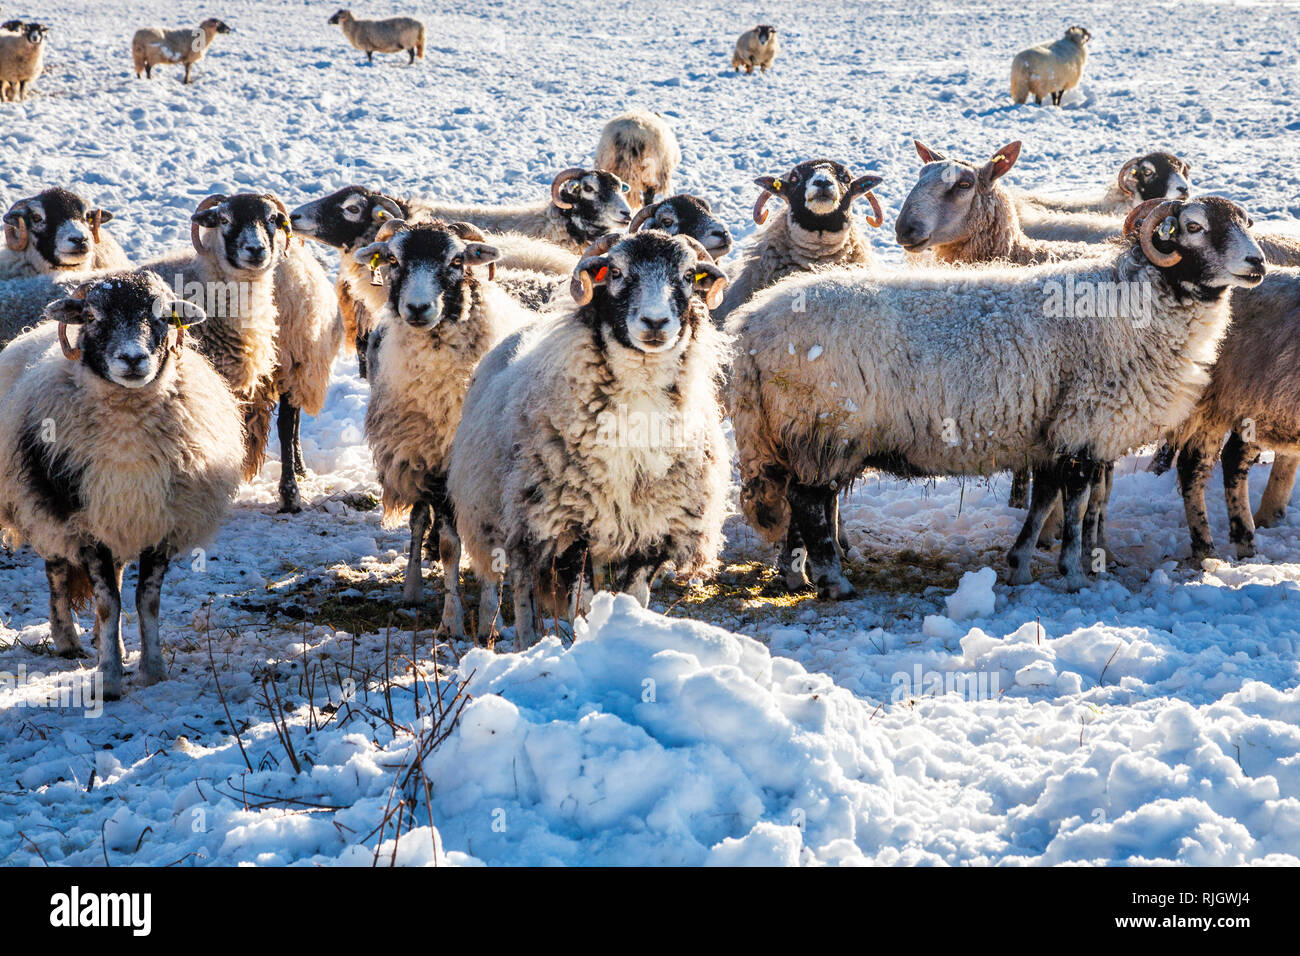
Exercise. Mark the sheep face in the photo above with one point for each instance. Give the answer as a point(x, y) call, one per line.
point(252, 230)
point(593, 204)
point(34, 33)
point(1157, 176)
point(765, 32)
point(428, 272)
point(819, 193)
point(1203, 246)
point(213, 25)
point(347, 218)
point(1079, 35)
point(343, 16)
point(641, 291)
point(938, 209)
point(125, 320)
point(58, 225)
point(686, 215)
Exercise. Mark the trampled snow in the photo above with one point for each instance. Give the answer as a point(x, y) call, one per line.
point(940, 717)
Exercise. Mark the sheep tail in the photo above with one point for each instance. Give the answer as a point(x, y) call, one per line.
point(419, 46)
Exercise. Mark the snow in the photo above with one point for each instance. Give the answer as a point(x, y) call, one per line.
point(939, 718)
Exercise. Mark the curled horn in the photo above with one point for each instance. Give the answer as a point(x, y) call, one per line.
point(573, 172)
point(1147, 231)
point(877, 217)
point(712, 298)
point(863, 186)
point(70, 353)
point(390, 228)
point(96, 220)
point(214, 200)
point(15, 222)
point(644, 213)
point(580, 286)
point(760, 214)
point(1138, 212)
point(1124, 172)
point(471, 233)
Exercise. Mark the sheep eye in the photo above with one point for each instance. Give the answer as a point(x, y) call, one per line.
point(392, 260)
point(963, 184)
point(458, 261)
point(625, 187)
point(1193, 227)
point(615, 272)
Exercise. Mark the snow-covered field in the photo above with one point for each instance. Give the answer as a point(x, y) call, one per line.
point(1153, 717)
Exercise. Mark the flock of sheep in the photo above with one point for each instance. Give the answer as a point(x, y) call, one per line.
point(508, 347)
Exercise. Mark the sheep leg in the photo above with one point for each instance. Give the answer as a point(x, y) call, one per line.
point(104, 578)
point(833, 516)
point(1194, 467)
point(420, 521)
point(1238, 456)
point(793, 558)
point(1094, 519)
point(573, 574)
point(370, 56)
point(444, 520)
point(187, 74)
point(63, 628)
point(1281, 480)
point(148, 72)
point(639, 573)
point(489, 609)
point(1079, 474)
point(286, 425)
point(412, 60)
point(809, 507)
point(148, 597)
point(521, 589)
point(363, 343)
point(1019, 489)
point(1043, 493)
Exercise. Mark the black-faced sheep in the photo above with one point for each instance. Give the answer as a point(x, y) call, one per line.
point(815, 232)
point(641, 149)
point(686, 215)
point(594, 440)
point(57, 231)
point(757, 47)
point(22, 58)
point(154, 46)
point(393, 35)
point(1156, 175)
point(1050, 69)
point(956, 372)
point(120, 445)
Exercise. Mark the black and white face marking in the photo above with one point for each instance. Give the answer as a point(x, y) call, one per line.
point(765, 32)
point(1213, 237)
point(252, 230)
point(599, 205)
point(686, 215)
point(1162, 176)
point(817, 192)
point(35, 33)
point(427, 272)
point(347, 218)
point(59, 227)
point(125, 320)
point(215, 25)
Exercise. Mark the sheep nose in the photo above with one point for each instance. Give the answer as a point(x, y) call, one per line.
point(295, 218)
point(418, 310)
point(135, 362)
point(255, 254)
point(1255, 262)
point(654, 325)
point(78, 242)
point(1182, 192)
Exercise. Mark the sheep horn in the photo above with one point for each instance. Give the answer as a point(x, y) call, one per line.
point(1124, 172)
point(471, 233)
point(1137, 213)
point(573, 172)
point(862, 186)
point(15, 223)
point(644, 213)
point(69, 353)
point(214, 200)
point(389, 229)
point(581, 287)
point(96, 220)
point(1146, 232)
point(877, 219)
point(602, 245)
point(760, 214)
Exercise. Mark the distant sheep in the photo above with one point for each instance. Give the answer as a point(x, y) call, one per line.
point(757, 47)
point(154, 46)
point(641, 149)
point(1050, 69)
point(120, 445)
point(1156, 175)
point(394, 35)
point(22, 58)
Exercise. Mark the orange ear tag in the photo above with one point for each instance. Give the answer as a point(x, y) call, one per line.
point(602, 274)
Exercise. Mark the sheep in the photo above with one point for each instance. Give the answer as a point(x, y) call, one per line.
point(442, 318)
point(1279, 249)
point(57, 231)
point(962, 213)
point(1156, 175)
point(22, 58)
point(817, 231)
point(641, 149)
point(238, 242)
point(23, 301)
point(392, 35)
point(595, 439)
point(154, 46)
point(961, 372)
point(1050, 68)
point(309, 331)
point(757, 47)
point(124, 445)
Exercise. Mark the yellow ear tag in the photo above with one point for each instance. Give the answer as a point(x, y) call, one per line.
point(998, 158)
point(380, 215)
point(776, 185)
point(374, 270)
point(701, 276)
point(176, 320)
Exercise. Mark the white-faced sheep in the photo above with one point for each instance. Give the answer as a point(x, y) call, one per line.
point(1156, 175)
point(595, 440)
point(757, 47)
point(122, 445)
point(230, 272)
point(443, 316)
point(154, 46)
point(22, 58)
point(641, 149)
point(393, 35)
point(57, 231)
point(1050, 69)
point(961, 372)
point(815, 232)
point(962, 214)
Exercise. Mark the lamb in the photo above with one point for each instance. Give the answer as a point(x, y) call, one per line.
point(1156, 175)
point(956, 372)
point(595, 439)
point(124, 445)
point(817, 231)
point(57, 231)
point(641, 149)
point(392, 35)
point(444, 317)
point(757, 47)
point(22, 58)
point(238, 242)
point(962, 213)
point(1050, 68)
point(153, 46)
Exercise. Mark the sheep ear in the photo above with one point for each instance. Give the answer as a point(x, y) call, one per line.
point(68, 311)
point(385, 209)
point(927, 154)
point(1002, 161)
point(771, 183)
point(103, 215)
point(591, 272)
point(711, 281)
point(480, 253)
point(367, 255)
point(208, 218)
point(181, 312)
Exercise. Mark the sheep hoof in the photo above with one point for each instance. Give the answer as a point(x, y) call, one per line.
point(1270, 517)
point(151, 674)
point(1245, 549)
point(290, 504)
point(1076, 581)
point(112, 685)
point(794, 579)
point(835, 589)
point(70, 653)
point(1021, 574)
point(453, 620)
